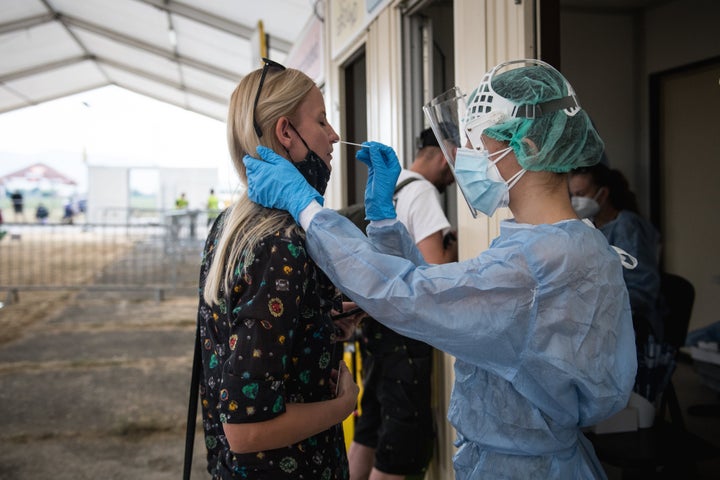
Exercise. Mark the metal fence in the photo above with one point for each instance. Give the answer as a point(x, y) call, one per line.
point(158, 253)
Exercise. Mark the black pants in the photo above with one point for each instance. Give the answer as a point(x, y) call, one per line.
point(396, 418)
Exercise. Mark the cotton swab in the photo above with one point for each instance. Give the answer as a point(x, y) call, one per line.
point(351, 143)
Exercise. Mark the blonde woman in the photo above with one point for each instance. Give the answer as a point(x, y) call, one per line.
point(271, 397)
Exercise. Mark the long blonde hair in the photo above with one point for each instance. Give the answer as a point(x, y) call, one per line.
point(246, 223)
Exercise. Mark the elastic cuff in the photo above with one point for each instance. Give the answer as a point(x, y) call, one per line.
point(308, 213)
point(384, 222)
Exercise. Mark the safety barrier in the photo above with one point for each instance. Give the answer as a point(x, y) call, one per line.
point(157, 253)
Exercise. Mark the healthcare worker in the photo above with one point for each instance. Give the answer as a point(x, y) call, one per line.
point(539, 323)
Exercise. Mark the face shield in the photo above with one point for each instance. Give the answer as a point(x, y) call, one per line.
point(445, 113)
point(534, 110)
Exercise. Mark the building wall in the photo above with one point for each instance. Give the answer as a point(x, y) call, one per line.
point(194, 182)
point(109, 190)
point(108, 194)
point(680, 32)
point(608, 58)
point(599, 56)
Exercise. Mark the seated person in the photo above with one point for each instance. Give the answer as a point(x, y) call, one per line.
point(603, 195)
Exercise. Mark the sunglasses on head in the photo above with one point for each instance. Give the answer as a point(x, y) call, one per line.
point(267, 66)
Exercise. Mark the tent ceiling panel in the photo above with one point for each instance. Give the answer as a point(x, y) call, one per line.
point(11, 12)
point(134, 82)
point(40, 45)
point(52, 84)
point(121, 55)
point(199, 80)
point(283, 19)
point(209, 108)
point(190, 53)
point(159, 91)
point(131, 19)
point(11, 99)
point(215, 47)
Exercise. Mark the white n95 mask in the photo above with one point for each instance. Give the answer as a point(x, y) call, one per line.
point(585, 207)
point(480, 180)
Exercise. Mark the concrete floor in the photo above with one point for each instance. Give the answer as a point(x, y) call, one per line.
point(700, 406)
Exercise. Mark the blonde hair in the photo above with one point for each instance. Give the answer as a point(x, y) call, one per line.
point(246, 223)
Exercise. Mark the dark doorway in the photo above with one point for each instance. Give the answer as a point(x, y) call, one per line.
point(685, 168)
point(355, 124)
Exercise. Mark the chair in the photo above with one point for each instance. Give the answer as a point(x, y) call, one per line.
point(679, 295)
point(666, 449)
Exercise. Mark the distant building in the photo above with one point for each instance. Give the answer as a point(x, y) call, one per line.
point(38, 177)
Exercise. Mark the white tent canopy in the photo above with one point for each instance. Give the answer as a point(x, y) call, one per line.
point(188, 53)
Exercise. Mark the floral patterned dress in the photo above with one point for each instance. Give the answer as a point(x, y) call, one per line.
point(269, 343)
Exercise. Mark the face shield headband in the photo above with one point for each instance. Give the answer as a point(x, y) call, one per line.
point(485, 107)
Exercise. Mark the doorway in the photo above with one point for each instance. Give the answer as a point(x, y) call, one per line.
point(355, 121)
point(428, 70)
point(685, 168)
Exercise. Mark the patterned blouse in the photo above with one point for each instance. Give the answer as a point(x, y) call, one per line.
point(271, 342)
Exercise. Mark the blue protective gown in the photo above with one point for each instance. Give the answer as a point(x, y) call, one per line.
point(638, 237)
point(539, 324)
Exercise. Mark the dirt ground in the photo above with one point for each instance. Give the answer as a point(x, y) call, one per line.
point(95, 385)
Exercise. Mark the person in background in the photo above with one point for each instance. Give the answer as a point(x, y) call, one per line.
point(213, 207)
point(603, 195)
point(18, 205)
point(274, 388)
point(3, 232)
point(68, 213)
point(539, 323)
point(181, 202)
point(394, 434)
point(418, 204)
point(41, 213)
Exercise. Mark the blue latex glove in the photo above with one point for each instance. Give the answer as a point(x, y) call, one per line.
point(274, 182)
point(383, 172)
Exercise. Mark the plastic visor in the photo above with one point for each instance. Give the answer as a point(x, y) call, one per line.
point(445, 113)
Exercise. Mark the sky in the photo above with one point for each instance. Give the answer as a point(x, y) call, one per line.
point(114, 127)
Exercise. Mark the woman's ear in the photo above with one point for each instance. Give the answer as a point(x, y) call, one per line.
point(602, 195)
point(531, 146)
point(282, 132)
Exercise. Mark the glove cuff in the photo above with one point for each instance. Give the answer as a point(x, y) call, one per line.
point(303, 204)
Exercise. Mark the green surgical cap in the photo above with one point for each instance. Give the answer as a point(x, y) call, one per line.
point(550, 138)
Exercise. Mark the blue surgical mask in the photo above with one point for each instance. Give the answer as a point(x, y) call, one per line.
point(480, 180)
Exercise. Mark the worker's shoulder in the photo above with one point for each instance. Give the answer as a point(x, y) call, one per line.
point(558, 239)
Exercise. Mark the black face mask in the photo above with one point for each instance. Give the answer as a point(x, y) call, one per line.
point(313, 168)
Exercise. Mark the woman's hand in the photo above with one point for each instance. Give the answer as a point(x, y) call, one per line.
point(300, 420)
point(346, 390)
point(348, 320)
